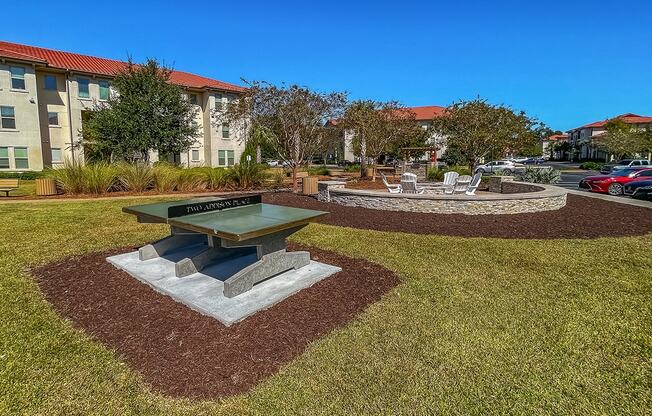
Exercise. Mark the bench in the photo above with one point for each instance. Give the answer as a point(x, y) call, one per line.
point(8, 185)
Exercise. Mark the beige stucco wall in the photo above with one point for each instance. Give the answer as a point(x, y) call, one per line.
point(25, 102)
point(53, 101)
point(237, 132)
point(34, 132)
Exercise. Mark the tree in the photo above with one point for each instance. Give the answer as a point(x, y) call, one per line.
point(148, 113)
point(291, 118)
point(380, 127)
point(477, 129)
point(645, 137)
point(620, 139)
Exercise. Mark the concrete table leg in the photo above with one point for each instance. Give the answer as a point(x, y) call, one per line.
point(269, 265)
point(178, 238)
point(271, 253)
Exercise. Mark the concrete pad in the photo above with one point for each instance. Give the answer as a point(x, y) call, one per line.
point(202, 291)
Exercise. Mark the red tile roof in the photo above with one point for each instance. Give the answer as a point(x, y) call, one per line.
point(101, 66)
point(629, 118)
point(427, 112)
point(421, 113)
point(556, 137)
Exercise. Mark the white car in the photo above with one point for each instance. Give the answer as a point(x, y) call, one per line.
point(506, 166)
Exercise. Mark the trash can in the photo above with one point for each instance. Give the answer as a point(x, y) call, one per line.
point(309, 185)
point(46, 187)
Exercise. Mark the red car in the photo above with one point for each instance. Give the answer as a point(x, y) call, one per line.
point(613, 183)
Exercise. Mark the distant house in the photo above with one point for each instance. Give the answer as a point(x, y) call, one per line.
point(45, 95)
point(549, 143)
point(424, 116)
point(582, 138)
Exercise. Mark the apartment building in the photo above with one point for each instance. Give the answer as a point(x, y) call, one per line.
point(46, 94)
point(581, 138)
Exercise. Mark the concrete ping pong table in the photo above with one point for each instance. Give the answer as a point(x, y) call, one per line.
point(229, 228)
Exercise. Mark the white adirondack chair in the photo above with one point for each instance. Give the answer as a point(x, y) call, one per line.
point(475, 183)
point(409, 177)
point(449, 181)
point(410, 187)
point(392, 189)
point(462, 184)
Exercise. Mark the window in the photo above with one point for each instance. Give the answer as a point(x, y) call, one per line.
point(7, 118)
point(225, 157)
point(53, 118)
point(20, 158)
point(4, 158)
point(104, 90)
point(219, 105)
point(56, 155)
point(50, 82)
point(82, 84)
point(192, 98)
point(225, 131)
point(17, 77)
point(645, 173)
point(195, 155)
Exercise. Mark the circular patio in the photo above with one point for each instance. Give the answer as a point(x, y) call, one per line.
point(509, 197)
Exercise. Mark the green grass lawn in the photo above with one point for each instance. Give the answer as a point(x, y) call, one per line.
point(477, 326)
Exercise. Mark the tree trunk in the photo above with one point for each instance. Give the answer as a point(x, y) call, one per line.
point(259, 155)
point(295, 184)
point(363, 156)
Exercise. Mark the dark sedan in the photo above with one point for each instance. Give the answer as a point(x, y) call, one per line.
point(639, 189)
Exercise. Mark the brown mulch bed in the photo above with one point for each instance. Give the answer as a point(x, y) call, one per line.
point(182, 353)
point(582, 217)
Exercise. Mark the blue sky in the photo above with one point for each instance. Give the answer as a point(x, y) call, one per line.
point(565, 62)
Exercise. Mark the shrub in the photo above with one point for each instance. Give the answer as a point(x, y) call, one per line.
point(437, 174)
point(247, 175)
point(319, 171)
point(166, 177)
point(214, 178)
point(27, 176)
point(189, 180)
point(278, 178)
point(70, 177)
point(352, 168)
point(99, 177)
point(591, 166)
point(137, 177)
point(542, 175)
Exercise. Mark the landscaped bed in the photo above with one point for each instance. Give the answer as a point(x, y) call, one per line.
point(582, 217)
point(180, 352)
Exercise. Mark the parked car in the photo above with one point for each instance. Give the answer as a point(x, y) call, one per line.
point(533, 161)
point(519, 159)
point(273, 163)
point(625, 163)
point(506, 166)
point(641, 189)
point(614, 182)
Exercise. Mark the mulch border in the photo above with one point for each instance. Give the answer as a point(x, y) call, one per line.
point(582, 217)
point(180, 352)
